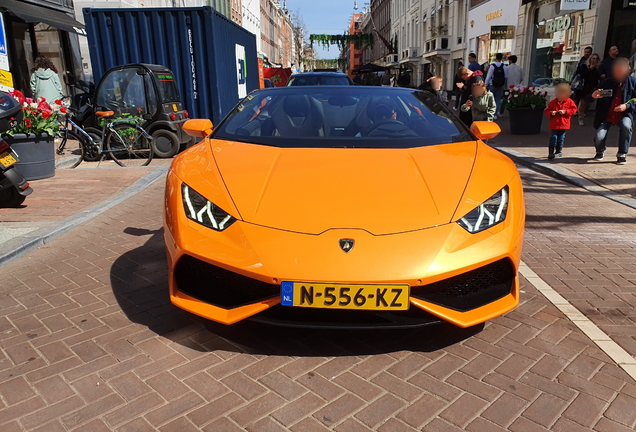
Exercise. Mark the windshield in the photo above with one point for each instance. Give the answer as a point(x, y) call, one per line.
point(338, 117)
point(167, 87)
point(313, 80)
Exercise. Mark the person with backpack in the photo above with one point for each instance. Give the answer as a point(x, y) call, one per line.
point(496, 80)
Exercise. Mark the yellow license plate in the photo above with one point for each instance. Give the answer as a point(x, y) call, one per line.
point(7, 159)
point(345, 296)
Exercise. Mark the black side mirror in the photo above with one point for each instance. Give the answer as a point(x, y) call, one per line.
point(141, 71)
point(147, 116)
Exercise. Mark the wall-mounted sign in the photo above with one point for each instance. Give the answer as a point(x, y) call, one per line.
point(558, 24)
point(4, 55)
point(6, 81)
point(502, 32)
point(575, 4)
point(495, 14)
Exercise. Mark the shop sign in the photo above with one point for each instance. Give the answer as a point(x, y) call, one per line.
point(502, 32)
point(558, 24)
point(575, 4)
point(494, 15)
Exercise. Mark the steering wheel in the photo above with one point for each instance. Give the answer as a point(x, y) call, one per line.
point(379, 123)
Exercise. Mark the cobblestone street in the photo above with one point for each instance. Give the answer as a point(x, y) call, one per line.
point(91, 342)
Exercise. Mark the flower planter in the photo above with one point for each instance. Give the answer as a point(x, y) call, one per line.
point(525, 121)
point(36, 153)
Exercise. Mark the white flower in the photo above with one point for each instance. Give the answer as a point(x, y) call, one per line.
point(24, 104)
point(54, 106)
point(516, 95)
point(34, 105)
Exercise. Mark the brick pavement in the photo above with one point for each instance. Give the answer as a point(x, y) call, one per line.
point(583, 246)
point(579, 149)
point(90, 342)
point(74, 190)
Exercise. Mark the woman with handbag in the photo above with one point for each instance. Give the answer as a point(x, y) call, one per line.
point(590, 77)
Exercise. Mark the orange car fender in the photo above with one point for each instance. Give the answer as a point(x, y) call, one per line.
point(491, 172)
point(197, 168)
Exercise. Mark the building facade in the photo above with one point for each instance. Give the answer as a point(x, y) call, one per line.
point(251, 19)
point(377, 21)
point(550, 37)
point(38, 27)
point(491, 28)
point(276, 34)
point(353, 55)
point(431, 38)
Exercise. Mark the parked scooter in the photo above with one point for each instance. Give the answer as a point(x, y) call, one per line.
point(13, 186)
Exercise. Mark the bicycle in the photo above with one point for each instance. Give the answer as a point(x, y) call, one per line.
point(128, 144)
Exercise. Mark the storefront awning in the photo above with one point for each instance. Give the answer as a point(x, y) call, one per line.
point(35, 14)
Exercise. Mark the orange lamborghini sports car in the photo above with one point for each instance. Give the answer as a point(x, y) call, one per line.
point(343, 207)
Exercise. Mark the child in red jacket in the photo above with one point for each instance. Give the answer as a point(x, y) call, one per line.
point(560, 111)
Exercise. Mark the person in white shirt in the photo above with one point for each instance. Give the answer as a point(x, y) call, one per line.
point(496, 80)
point(515, 73)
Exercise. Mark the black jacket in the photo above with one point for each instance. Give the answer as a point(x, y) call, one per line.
point(439, 94)
point(603, 105)
point(591, 77)
point(606, 67)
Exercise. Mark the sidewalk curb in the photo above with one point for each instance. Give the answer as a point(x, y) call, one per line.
point(566, 175)
point(66, 162)
point(15, 248)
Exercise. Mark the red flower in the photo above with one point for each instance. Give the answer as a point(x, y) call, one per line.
point(41, 99)
point(46, 113)
point(43, 106)
point(511, 86)
point(58, 101)
point(27, 122)
point(63, 110)
point(17, 93)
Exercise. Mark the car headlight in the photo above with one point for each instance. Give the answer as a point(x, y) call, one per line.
point(488, 214)
point(201, 210)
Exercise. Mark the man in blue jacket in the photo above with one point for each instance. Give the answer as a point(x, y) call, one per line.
point(615, 108)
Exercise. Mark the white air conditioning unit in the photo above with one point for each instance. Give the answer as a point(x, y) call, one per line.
point(391, 58)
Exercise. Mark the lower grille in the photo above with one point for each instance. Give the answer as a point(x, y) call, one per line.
point(220, 287)
point(298, 317)
point(470, 290)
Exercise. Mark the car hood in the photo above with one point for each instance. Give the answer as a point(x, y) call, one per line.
point(309, 190)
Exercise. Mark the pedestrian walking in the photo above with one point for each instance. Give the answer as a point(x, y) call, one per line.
point(515, 73)
point(616, 103)
point(578, 79)
point(496, 79)
point(45, 82)
point(386, 78)
point(481, 103)
point(436, 83)
point(473, 65)
point(468, 79)
point(590, 75)
point(457, 91)
point(560, 111)
point(606, 64)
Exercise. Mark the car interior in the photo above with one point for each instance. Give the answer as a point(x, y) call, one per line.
point(338, 115)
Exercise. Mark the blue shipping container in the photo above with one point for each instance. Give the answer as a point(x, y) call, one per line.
point(214, 60)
